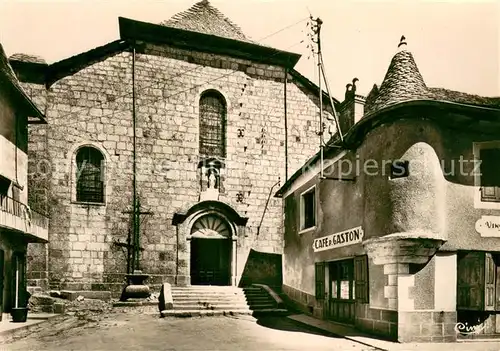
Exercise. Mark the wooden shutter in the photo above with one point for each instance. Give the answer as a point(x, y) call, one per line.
point(290, 220)
point(471, 281)
point(361, 278)
point(489, 285)
point(320, 280)
point(2, 263)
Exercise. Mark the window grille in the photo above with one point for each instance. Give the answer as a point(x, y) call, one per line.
point(89, 175)
point(212, 125)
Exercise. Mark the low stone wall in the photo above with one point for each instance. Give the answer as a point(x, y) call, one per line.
point(427, 326)
point(302, 301)
point(377, 321)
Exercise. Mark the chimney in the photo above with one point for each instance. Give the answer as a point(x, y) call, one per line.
point(352, 108)
point(402, 44)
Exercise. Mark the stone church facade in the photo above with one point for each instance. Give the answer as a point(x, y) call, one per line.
point(220, 121)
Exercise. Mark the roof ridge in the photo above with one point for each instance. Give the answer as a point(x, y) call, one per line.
point(204, 18)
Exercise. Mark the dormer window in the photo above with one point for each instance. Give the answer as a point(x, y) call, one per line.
point(490, 174)
point(487, 175)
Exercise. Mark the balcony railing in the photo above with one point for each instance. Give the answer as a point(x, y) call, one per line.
point(18, 216)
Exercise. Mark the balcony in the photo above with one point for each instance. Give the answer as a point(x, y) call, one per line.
point(16, 216)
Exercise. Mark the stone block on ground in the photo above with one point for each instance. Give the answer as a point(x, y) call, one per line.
point(59, 307)
point(165, 300)
point(87, 294)
point(55, 293)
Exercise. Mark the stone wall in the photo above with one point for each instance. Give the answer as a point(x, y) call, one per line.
point(427, 326)
point(377, 321)
point(303, 301)
point(93, 106)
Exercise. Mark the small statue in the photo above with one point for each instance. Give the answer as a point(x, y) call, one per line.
point(211, 180)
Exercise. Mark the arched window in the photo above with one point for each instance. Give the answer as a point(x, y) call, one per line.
point(212, 124)
point(89, 175)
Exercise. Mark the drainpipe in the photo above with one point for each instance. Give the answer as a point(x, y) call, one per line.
point(265, 208)
point(177, 254)
point(135, 256)
point(286, 126)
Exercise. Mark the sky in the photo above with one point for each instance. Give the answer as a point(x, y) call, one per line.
point(456, 44)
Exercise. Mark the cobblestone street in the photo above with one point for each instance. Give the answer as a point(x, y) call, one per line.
point(149, 332)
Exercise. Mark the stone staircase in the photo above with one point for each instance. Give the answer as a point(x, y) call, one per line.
point(197, 301)
point(261, 302)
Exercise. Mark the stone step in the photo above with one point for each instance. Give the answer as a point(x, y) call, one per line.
point(207, 287)
point(216, 293)
point(262, 306)
point(257, 298)
point(256, 295)
point(204, 299)
point(204, 313)
point(228, 307)
point(271, 311)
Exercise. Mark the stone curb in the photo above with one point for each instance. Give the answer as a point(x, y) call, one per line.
point(134, 303)
point(211, 313)
point(8, 334)
point(339, 335)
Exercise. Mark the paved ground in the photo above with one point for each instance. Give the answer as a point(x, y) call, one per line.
point(131, 331)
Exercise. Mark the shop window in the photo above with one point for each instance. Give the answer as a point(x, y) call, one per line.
point(476, 279)
point(361, 279)
point(320, 280)
point(308, 209)
point(490, 174)
point(89, 175)
point(342, 280)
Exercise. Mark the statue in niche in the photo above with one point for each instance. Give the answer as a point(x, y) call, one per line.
point(212, 180)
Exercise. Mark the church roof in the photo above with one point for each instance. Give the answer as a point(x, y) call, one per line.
point(202, 17)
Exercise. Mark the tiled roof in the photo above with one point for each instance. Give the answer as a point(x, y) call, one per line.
point(204, 18)
point(7, 70)
point(463, 98)
point(403, 82)
point(7, 75)
point(27, 58)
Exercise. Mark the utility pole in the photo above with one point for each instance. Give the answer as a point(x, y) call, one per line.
point(133, 238)
point(316, 38)
point(316, 28)
point(135, 261)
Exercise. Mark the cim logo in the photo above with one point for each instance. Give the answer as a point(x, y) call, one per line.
point(466, 329)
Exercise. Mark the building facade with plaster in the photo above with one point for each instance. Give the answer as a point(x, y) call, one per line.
point(19, 225)
point(399, 233)
point(218, 121)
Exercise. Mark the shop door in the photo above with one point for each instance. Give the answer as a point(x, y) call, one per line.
point(342, 303)
point(1, 282)
point(210, 261)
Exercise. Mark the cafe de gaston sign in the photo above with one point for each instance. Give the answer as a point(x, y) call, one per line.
point(333, 241)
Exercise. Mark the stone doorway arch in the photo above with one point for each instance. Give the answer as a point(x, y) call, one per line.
point(211, 251)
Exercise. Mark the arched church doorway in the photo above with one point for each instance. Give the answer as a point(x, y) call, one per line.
point(211, 247)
